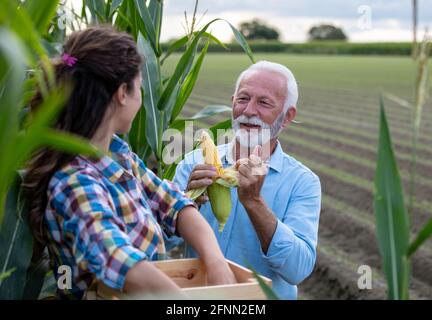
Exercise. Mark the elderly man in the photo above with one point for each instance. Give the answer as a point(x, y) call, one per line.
point(273, 224)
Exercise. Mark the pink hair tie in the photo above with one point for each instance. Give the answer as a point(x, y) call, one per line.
point(68, 59)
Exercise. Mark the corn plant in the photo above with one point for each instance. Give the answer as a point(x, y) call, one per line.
point(30, 32)
point(163, 97)
point(392, 219)
point(21, 28)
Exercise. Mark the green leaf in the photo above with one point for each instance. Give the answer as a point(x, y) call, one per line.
point(66, 142)
point(16, 245)
point(114, 6)
point(149, 31)
point(169, 172)
point(187, 58)
point(20, 22)
point(6, 274)
point(151, 87)
point(97, 9)
point(242, 41)
point(180, 43)
point(391, 216)
point(122, 21)
point(206, 112)
point(176, 45)
point(137, 135)
point(155, 8)
point(188, 84)
point(41, 12)
point(223, 125)
point(181, 69)
point(12, 75)
point(270, 294)
point(50, 108)
point(424, 234)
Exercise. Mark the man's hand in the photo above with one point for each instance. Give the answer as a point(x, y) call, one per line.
point(252, 172)
point(202, 176)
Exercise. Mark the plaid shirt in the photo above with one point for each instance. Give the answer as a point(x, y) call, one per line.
point(105, 215)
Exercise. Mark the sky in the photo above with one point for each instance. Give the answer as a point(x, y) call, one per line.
point(362, 20)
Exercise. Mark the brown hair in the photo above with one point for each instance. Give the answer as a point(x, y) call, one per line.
point(106, 59)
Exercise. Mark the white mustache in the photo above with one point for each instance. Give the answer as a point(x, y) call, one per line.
point(253, 121)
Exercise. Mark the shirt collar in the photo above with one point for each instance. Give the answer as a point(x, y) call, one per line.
point(276, 158)
point(109, 165)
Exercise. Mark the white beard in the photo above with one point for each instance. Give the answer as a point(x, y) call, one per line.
point(253, 137)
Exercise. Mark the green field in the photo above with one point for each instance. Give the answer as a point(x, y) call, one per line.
point(337, 138)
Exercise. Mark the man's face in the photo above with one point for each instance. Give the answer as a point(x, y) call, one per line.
point(259, 105)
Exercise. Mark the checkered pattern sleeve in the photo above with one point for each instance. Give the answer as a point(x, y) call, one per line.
point(93, 230)
point(164, 197)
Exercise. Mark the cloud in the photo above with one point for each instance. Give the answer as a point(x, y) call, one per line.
point(294, 18)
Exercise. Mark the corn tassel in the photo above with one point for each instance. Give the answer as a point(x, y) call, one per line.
point(219, 192)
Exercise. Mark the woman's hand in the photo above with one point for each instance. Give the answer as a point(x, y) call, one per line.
point(198, 233)
point(219, 272)
point(145, 278)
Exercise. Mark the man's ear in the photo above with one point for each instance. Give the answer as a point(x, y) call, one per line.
point(121, 94)
point(290, 115)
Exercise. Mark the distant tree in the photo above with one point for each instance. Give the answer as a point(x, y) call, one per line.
point(257, 29)
point(326, 32)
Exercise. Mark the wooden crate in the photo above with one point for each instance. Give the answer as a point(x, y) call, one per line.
point(190, 275)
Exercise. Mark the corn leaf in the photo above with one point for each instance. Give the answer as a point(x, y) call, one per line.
point(115, 4)
point(175, 46)
point(180, 43)
point(97, 9)
point(149, 120)
point(242, 41)
point(424, 234)
point(66, 142)
point(41, 12)
point(20, 22)
point(155, 9)
point(223, 125)
point(149, 31)
point(270, 294)
point(6, 274)
point(188, 84)
point(391, 216)
point(206, 112)
point(16, 246)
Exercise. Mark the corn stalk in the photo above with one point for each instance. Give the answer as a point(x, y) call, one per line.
point(163, 97)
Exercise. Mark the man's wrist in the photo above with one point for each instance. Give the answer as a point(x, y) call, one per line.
point(254, 203)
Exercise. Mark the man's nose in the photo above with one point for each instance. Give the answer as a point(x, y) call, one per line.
point(251, 109)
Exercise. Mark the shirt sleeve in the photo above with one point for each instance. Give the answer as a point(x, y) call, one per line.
point(292, 251)
point(165, 199)
point(93, 230)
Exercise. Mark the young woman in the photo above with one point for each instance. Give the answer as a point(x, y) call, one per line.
point(106, 218)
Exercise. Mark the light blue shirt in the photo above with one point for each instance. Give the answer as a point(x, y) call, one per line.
point(293, 193)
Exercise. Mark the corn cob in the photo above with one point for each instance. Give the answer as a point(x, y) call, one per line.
point(219, 192)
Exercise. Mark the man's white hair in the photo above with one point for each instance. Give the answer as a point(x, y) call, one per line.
point(292, 89)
